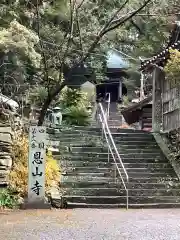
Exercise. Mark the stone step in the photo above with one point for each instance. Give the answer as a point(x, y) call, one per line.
point(126, 159)
point(75, 138)
point(153, 179)
point(77, 142)
point(133, 138)
point(135, 145)
point(123, 155)
point(89, 149)
point(131, 130)
point(155, 185)
point(131, 174)
point(57, 202)
point(95, 169)
point(122, 199)
point(75, 133)
point(116, 136)
point(119, 192)
point(125, 143)
point(84, 178)
point(114, 184)
point(150, 170)
point(135, 142)
point(91, 184)
point(91, 128)
point(99, 150)
point(137, 170)
point(86, 174)
point(88, 170)
point(95, 131)
point(92, 165)
point(133, 178)
point(4, 172)
point(3, 183)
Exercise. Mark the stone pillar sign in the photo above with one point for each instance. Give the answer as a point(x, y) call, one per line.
point(36, 169)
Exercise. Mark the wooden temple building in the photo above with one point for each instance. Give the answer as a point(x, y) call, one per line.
point(159, 111)
point(112, 84)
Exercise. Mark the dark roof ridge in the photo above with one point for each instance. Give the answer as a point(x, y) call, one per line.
point(160, 58)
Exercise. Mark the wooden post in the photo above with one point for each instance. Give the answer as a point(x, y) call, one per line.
point(120, 90)
point(156, 101)
point(153, 98)
point(142, 87)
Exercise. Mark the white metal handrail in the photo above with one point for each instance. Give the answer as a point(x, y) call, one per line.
point(107, 132)
point(108, 95)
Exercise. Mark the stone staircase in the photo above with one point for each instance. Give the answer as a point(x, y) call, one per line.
point(88, 180)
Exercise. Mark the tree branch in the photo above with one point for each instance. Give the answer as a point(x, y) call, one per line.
point(80, 5)
point(125, 19)
point(46, 75)
point(113, 16)
point(79, 31)
point(107, 28)
point(60, 85)
point(102, 33)
point(137, 27)
point(47, 102)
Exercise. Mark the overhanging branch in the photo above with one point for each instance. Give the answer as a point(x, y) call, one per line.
point(113, 17)
point(123, 19)
point(104, 30)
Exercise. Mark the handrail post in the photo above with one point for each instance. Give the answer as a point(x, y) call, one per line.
point(108, 156)
point(105, 128)
point(127, 199)
point(115, 174)
point(111, 138)
point(108, 101)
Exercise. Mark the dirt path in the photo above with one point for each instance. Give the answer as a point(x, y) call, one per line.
point(91, 224)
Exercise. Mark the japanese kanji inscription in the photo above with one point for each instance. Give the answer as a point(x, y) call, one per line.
point(37, 155)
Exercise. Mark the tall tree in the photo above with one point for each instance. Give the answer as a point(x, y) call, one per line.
point(80, 39)
point(75, 33)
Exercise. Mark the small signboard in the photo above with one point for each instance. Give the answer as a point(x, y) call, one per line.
point(36, 165)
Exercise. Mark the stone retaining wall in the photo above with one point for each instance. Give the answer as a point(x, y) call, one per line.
point(6, 142)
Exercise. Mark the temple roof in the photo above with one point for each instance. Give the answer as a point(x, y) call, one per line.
point(161, 58)
point(116, 61)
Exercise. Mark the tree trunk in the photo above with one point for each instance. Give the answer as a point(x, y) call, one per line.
point(48, 101)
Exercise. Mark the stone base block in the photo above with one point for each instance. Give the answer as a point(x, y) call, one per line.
point(35, 205)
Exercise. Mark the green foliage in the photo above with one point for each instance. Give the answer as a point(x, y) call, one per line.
point(73, 97)
point(173, 140)
point(77, 116)
point(74, 104)
point(8, 199)
point(66, 33)
point(20, 40)
point(37, 96)
point(125, 100)
point(172, 68)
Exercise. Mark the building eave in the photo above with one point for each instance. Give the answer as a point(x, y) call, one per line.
point(132, 113)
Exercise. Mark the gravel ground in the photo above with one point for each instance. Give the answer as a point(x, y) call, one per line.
point(93, 224)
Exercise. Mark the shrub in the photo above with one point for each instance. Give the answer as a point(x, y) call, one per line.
point(19, 173)
point(172, 68)
point(52, 172)
point(77, 116)
point(74, 97)
point(7, 199)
